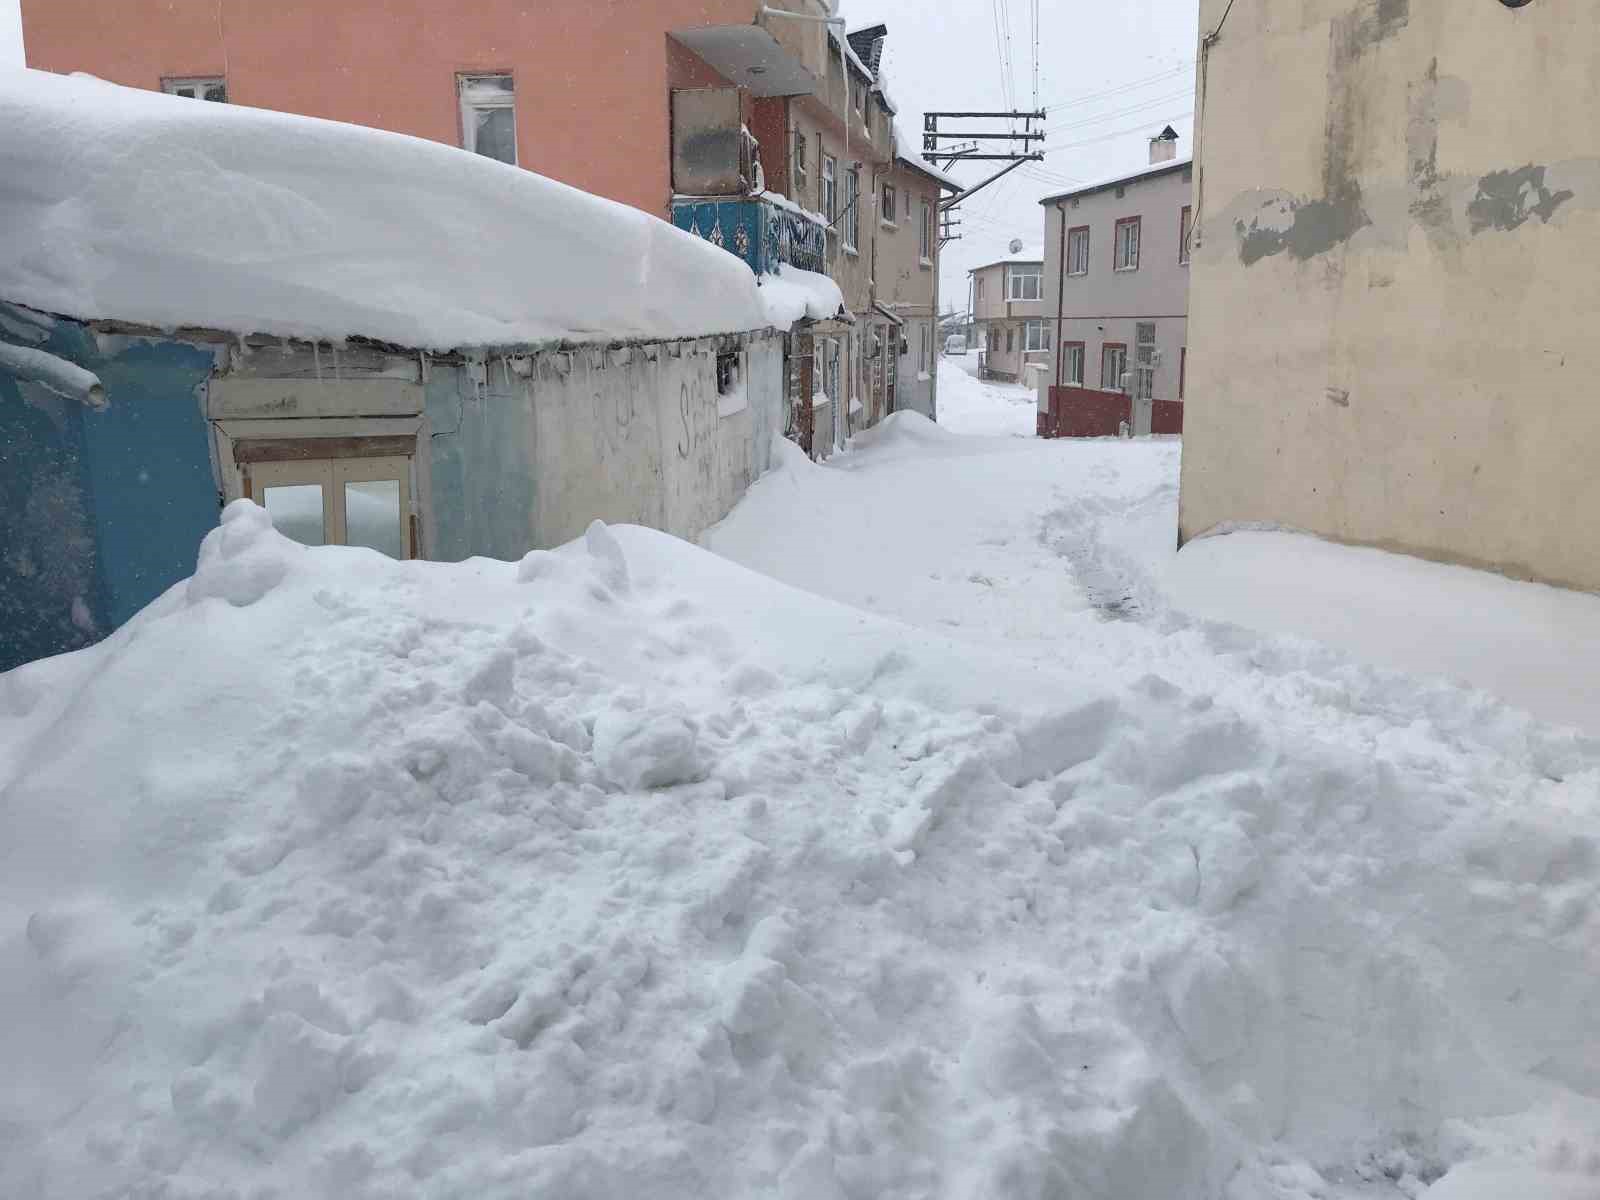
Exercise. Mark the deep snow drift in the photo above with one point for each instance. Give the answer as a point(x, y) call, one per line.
point(117, 203)
point(625, 872)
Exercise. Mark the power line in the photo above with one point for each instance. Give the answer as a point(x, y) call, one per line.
point(1129, 110)
point(1130, 86)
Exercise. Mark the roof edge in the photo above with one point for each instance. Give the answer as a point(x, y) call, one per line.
point(1134, 177)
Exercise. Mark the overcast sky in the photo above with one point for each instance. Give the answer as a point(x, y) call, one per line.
point(10, 33)
point(1110, 75)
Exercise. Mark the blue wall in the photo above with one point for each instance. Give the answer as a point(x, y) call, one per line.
point(100, 511)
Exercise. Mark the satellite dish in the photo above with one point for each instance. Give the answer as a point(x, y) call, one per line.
point(1016, 245)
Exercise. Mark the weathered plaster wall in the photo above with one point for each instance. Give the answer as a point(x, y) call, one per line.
point(909, 286)
point(1395, 283)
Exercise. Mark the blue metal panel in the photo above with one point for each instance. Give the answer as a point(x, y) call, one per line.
point(761, 233)
point(100, 511)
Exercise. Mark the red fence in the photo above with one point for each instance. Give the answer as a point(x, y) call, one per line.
point(1166, 416)
point(1089, 412)
point(1084, 412)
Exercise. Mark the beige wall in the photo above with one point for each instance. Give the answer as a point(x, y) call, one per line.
point(1396, 280)
point(908, 284)
point(1001, 323)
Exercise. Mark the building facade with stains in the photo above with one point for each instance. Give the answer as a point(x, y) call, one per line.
point(1394, 278)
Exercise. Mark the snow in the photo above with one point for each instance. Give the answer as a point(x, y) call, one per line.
point(792, 294)
point(938, 858)
point(173, 213)
point(987, 408)
point(781, 201)
point(1125, 177)
point(64, 378)
point(1536, 646)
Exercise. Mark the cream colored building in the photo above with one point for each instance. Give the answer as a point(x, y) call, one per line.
point(906, 278)
point(1008, 312)
point(1396, 276)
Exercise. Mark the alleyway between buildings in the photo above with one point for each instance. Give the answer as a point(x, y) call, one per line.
point(966, 868)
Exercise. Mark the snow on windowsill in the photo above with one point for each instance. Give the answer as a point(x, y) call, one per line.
point(779, 200)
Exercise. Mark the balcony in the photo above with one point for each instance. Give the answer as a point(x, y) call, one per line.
point(760, 231)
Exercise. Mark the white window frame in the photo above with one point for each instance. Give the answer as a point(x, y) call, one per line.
point(800, 173)
point(1078, 245)
point(1109, 354)
point(1016, 275)
point(978, 288)
point(198, 85)
point(1036, 336)
point(886, 204)
point(830, 188)
point(1076, 356)
point(1125, 248)
point(926, 247)
point(1144, 359)
point(498, 98)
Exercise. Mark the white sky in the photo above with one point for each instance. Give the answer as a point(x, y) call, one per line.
point(1111, 74)
point(11, 33)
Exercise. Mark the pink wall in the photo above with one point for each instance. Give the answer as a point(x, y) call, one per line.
point(592, 76)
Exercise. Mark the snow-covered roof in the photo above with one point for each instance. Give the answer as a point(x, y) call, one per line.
point(1150, 172)
point(129, 205)
point(944, 178)
point(1027, 254)
point(792, 294)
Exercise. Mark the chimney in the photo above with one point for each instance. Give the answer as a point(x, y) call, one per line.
point(1164, 146)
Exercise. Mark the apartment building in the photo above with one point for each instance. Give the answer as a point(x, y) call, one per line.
point(1116, 299)
point(759, 124)
point(1008, 313)
point(1396, 284)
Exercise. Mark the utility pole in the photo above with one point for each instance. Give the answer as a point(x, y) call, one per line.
point(968, 145)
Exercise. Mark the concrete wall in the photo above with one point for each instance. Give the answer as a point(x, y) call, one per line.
point(1104, 307)
point(1401, 204)
point(392, 64)
point(997, 317)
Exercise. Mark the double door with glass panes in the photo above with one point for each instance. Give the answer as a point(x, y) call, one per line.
point(338, 502)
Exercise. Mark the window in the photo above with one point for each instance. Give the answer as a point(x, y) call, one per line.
point(858, 96)
point(852, 210)
point(1145, 360)
point(1036, 336)
point(994, 339)
point(979, 287)
point(886, 208)
point(1125, 256)
point(830, 189)
point(1072, 363)
point(1022, 283)
point(489, 116)
point(927, 235)
point(206, 87)
point(1078, 251)
point(333, 502)
point(1113, 362)
point(1011, 339)
point(1185, 233)
point(727, 373)
point(799, 164)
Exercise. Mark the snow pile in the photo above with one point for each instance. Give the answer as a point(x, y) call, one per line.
point(622, 871)
point(792, 294)
point(1536, 646)
point(172, 213)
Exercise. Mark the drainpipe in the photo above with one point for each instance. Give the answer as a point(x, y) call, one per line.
point(767, 10)
point(53, 374)
point(1197, 239)
point(1061, 288)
